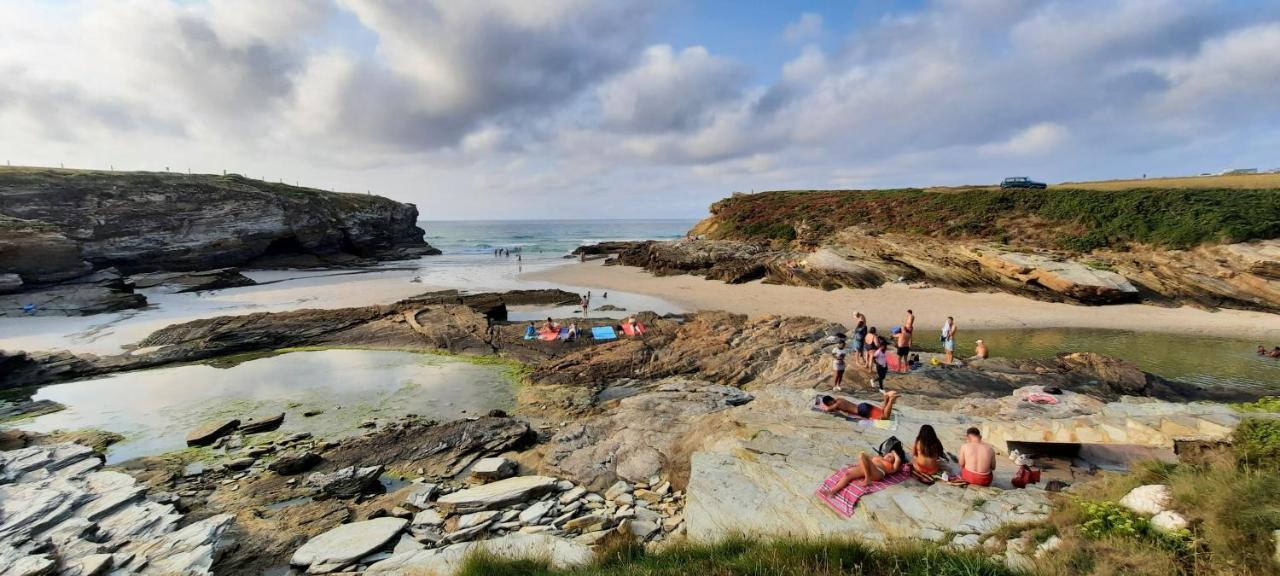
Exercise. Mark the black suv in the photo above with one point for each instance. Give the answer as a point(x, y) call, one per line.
point(1021, 182)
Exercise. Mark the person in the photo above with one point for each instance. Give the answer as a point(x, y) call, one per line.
point(530, 332)
point(1275, 352)
point(980, 351)
point(949, 340)
point(550, 326)
point(573, 331)
point(910, 323)
point(605, 295)
point(977, 459)
point(860, 339)
point(904, 348)
point(880, 360)
point(1262, 350)
point(868, 469)
point(871, 343)
point(839, 352)
point(864, 410)
point(927, 452)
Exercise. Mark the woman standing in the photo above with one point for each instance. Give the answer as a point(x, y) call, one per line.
point(839, 352)
point(860, 339)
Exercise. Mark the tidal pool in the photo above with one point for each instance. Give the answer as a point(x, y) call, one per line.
point(1202, 360)
point(154, 409)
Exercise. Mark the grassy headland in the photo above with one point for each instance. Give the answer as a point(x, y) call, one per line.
point(1062, 218)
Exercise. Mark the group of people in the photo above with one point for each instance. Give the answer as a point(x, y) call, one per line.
point(1274, 353)
point(977, 460)
point(870, 351)
point(507, 252)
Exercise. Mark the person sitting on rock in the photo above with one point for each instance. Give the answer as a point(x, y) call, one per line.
point(573, 331)
point(977, 459)
point(927, 453)
point(980, 350)
point(530, 332)
point(865, 410)
point(550, 326)
point(869, 469)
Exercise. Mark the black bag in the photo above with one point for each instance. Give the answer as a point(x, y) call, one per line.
point(892, 444)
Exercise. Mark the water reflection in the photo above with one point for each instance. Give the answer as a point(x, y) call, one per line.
point(154, 409)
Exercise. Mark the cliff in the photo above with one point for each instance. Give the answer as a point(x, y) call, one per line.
point(58, 225)
point(1211, 248)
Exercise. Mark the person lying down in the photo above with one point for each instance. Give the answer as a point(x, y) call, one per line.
point(865, 410)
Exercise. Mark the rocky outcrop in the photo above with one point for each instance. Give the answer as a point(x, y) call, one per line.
point(57, 225)
point(1243, 275)
point(191, 281)
point(59, 510)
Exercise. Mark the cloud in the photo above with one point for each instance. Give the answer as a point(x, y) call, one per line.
point(808, 27)
point(568, 107)
point(669, 90)
point(1036, 139)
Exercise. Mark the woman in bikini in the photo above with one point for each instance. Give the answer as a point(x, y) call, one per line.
point(927, 452)
point(868, 469)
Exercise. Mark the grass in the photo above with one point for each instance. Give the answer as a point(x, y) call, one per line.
point(1073, 219)
point(1233, 181)
point(742, 557)
point(1264, 404)
point(1231, 498)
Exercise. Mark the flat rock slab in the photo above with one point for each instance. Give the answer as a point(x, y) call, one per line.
point(561, 553)
point(348, 542)
point(496, 494)
point(210, 431)
point(263, 424)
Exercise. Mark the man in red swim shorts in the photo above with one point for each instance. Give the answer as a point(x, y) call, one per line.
point(977, 459)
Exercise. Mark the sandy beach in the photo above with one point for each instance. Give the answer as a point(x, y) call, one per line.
point(888, 304)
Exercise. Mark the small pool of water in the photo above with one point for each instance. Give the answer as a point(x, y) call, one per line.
point(155, 409)
point(1206, 361)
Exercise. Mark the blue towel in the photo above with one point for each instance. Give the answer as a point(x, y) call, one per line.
point(604, 333)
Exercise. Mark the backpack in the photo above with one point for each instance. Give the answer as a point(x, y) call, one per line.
point(892, 444)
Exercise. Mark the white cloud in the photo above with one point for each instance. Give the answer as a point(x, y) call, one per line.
point(1037, 139)
point(670, 90)
point(808, 27)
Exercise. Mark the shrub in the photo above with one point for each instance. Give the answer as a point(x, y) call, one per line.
point(1257, 443)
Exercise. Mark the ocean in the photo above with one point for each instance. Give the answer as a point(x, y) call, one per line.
point(541, 239)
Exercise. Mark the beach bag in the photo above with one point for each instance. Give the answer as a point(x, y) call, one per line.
point(891, 444)
point(1025, 475)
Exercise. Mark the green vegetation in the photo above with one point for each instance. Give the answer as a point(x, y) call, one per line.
point(1231, 499)
point(1264, 404)
point(1072, 219)
point(742, 556)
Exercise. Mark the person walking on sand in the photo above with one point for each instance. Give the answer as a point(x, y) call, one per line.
point(949, 339)
point(860, 339)
point(880, 360)
point(977, 459)
point(838, 353)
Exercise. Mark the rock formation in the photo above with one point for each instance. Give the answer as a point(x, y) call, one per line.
point(57, 225)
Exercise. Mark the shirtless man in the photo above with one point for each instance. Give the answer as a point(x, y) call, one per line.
point(865, 410)
point(977, 459)
point(904, 349)
point(980, 350)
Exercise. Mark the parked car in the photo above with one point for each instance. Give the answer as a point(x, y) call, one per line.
point(1021, 182)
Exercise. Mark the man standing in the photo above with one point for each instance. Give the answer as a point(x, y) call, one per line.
point(977, 459)
point(949, 339)
point(904, 349)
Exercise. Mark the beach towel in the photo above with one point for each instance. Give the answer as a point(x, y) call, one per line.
point(603, 333)
point(564, 334)
point(630, 330)
point(844, 501)
point(548, 335)
point(1038, 398)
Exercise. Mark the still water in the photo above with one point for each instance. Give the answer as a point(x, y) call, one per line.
point(1198, 360)
point(155, 409)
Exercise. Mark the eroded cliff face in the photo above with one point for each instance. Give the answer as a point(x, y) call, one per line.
point(147, 221)
point(57, 226)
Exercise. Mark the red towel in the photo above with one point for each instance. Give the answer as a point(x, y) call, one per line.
point(844, 501)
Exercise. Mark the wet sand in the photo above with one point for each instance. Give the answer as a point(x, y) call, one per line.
point(887, 305)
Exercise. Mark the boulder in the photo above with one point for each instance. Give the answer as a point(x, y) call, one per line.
point(294, 462)
point(10, 282)
point(208, 432)
point(421, 495)
point(490, 469)
point(1150, 499)
point(496, 494)
point(262, 424)
point(348, 482)
point(536, 511)
point(1169, 521)
point(347, 543)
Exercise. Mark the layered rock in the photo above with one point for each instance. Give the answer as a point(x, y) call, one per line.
point(60, 512)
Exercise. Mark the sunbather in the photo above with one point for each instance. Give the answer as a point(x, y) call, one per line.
point(977, 459)
point(530, 332)
point(573, 331)
point(865, 410)
point(927, 452)
point(868, 469)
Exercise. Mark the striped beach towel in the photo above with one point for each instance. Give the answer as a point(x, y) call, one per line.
point(844, 501)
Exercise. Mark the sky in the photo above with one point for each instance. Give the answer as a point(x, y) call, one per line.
point(495, 109)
